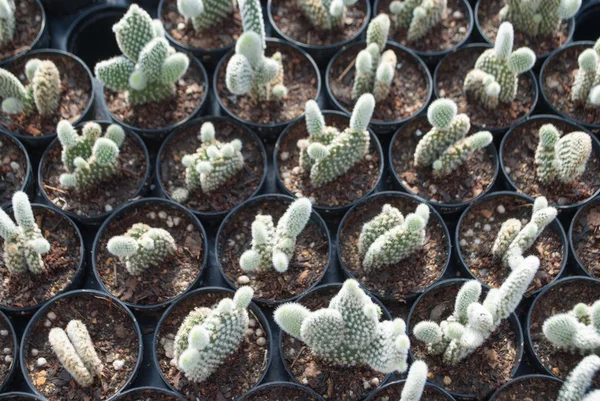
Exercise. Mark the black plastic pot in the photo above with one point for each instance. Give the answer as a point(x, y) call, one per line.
point(497, 394)
point(42, 40)
point(4, 382)
point(65, 7)
point(315, 218)
point(254, 141)
point(148, 393)
point(19, 397)
point(586, 27)
point(431, 386)
point(28, 181)
point(276, 385)
point(577, 264)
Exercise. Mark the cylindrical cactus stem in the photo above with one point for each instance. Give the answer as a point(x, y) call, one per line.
point(573, 152)
point(585, 76)
point(460, 151)
point(425, 17)
point(7, 21)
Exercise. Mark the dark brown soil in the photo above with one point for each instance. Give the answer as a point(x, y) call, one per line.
point(449, 83)
point(586, 238)
point(518, 155)
point(557, 80)
point(333, 382)
point(480, 373)
point(28, 24)
point(222, 35)
point(191, 90)
point(393, 393)
point(238, 374)
point(292, 23)
point(530, 389)
point(75, 96)
point(62, 262)
point(19, 398)
point(115, 338)
point(147, 395)
point(13, 168)
point(280, 393)
point(489, 21)
point(560, 298)
point(300, 78)
point(101, 198)
point(235, 191)
point(470, 180)
point(479, 229)
point(158, 283)
point(306, 267)
point(408, 277)
point(408, 94)
point(7, 347)
point(350, 187)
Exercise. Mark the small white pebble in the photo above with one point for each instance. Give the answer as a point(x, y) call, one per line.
point(3, 333)
point(286, 175)
point(298, 194)
point(284, 156)
point(374, 382)
point(491, 219)
point(296, 170)
point(287, 181)
point(261, 341)
point(243, 280)
point(173, 362)
point(41, 362)
point(462, 29)
point(305, 381)
point(190, 228)
point(152, 215)
point(524, 222)
point(8, 359)
point(463, 242)
point(118, 364)
point(181, 26)
point(15, 166)
point(457, 14)
point(487, 227)
point(162, 214)
point(34, 352)
point(51, 315)
point(170, 336)
point(477, 224)
point(477, 241)
point(177, 221)
point(47, 323)
point(108, 208)
point(7, 351)
point(501, 209)
point(249, 332)
point(259, 332)
point(469, 232)
point(252, 323)
point(369, 157)
point(507, 169)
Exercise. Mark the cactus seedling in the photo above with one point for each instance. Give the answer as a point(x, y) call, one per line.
point(418, 16)
point(579, 380)
point(7, 21)
point(577, 331)
point(415, 382)
point(586, 87)
point(325, 14)
point(205, 14)
point(541, 17)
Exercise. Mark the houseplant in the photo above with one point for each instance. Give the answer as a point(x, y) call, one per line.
point(24, 27)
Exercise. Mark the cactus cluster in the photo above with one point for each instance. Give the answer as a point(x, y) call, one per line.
point(472, 322)
point(561, 159)
point(577, 331)
point(375, 68)
point(586, 86)
point(579, 380)
point(7, 21)
point(540, 17)
point(208, 336)
point(445, 146)
point(495, 77)
point(24, 244)
point(205, 14)
point(75, 351)
point(88, 158)
point(389, 237)
point(415, 382)
point(275, 246)
point(149, 67)
point(348, 332)
point(325, 14)
point(418, 16)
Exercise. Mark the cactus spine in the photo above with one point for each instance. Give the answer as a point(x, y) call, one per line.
point(577, 331)
point(542, 17)
point(418, 16)
point(325, 14)
point(579, 380)
point(586, 87)
point(7, 21)
point(205, 14)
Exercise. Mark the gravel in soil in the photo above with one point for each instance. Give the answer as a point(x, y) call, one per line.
point(7, 345)
point(62, 262)
point(530, 389)
point(147, 395)
point(306, 268)
point(469, 180)
point(237, 374)
point(280, 393)
point(114, 336)
point(13, 167)
point(518, 156)
point(586, 238)
point(346, 189)
point(28, 24)
point(393, 393)
point(408, 277)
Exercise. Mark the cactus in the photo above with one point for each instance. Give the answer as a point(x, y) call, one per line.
point(7, 21)
point(579, 380)
point(325, 14)
point(541, 17)
point(275, 246)
point(418, 16)
point(577, 331)
point(24, 244)
point(208, 336)
point(495, 77)
point(205, 14)
point(318, 132)
point(415, 382)
point(348, 332)
point(75, 352)
point(445, 146)
point(472, 323)
point(149, 67)
point(389, 237)
point(586, 87)
point(213, 164)
point(562, 159)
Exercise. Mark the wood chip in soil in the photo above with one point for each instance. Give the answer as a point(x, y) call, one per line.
point(7, 347)
point(280, 393)
point(28, 23)
point(147, 395)
point(586, 238)
point(13, 167)
point(394, 392)
point(530, 389)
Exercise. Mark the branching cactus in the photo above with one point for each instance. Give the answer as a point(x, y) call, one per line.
point(318, 132)
point(577, 331)
point(580, 380)
point(541, 17)
point(472, 323)
point(75, 351)
point(208, 336)
point(561, 159)
point(275, 246)
point(348, 332)
point(445, 146)
point(205, 14)
point(24, 244)
point(325, 14)
point(7, 21)
point(418, 16)
point(495, 77)
point(415, 382)
point(149, 67)
point(389, 238)
point(586, 87)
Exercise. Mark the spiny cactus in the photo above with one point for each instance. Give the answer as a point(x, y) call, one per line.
point(7, 21)
point(275, 247)
point(325, 14)
point(445, 146)
point(76, 353)
point(415, 382)
point(586, 87)
point(542, 17)
point(561, 159)
point(375, 70)
point(472, 323)
point(205, 14)
point(149, 67)
point(389, 238)
point(418, 16)
point(579, 380)
point(577, 331)
point(24, 244)
point(495, 77)
point(348, 332)
point(318, 132)
point(208, 336)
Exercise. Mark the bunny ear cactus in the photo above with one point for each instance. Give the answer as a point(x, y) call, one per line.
point(542, 17)
point(586, 86)
point(325, 14)
point(415, 382)
point(418, 16)
point(7, 21)
point(318, 132)
point(579, 380)
point(205, 14)
point(348, 332)
point(577, 331)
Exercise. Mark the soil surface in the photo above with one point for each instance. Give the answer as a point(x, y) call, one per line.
point(237, 374)
point(7, 346)
point(62, 262)
point(408, 277)
point(75, 96)
point(530, 389)
point(355, 184)
point(470, 180)
point(147, 395)
point(333, 382)
point(280, 393)
point(393, 393)
point(100, 198)
point(28, 24)
point(13, 167)
point(115, 339)
point(236, 190)
point(449, 82)
point(586, 238)
point(518, 155)
point(306, 268)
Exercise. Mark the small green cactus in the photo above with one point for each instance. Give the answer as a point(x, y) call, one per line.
point(579, 380)
point(542, 17)
point(318, 132)
point(348, 332)
point(76, 353)
point(206, 14)
point(7, 21)
point(418, 16)
point(586, 87)
point(577, 331)
point(415, 382)
point(325, 14)
point(24, 244)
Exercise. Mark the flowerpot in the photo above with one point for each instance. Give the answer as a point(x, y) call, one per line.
point(57, 8)
point(393, 391)
point(281, 391)
point(17, 172)
point(19, 397)
point(524, 387)
point(29, 14)
point(583, 239)
point(8, 342)
point(585, 28)
point(148, 393)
